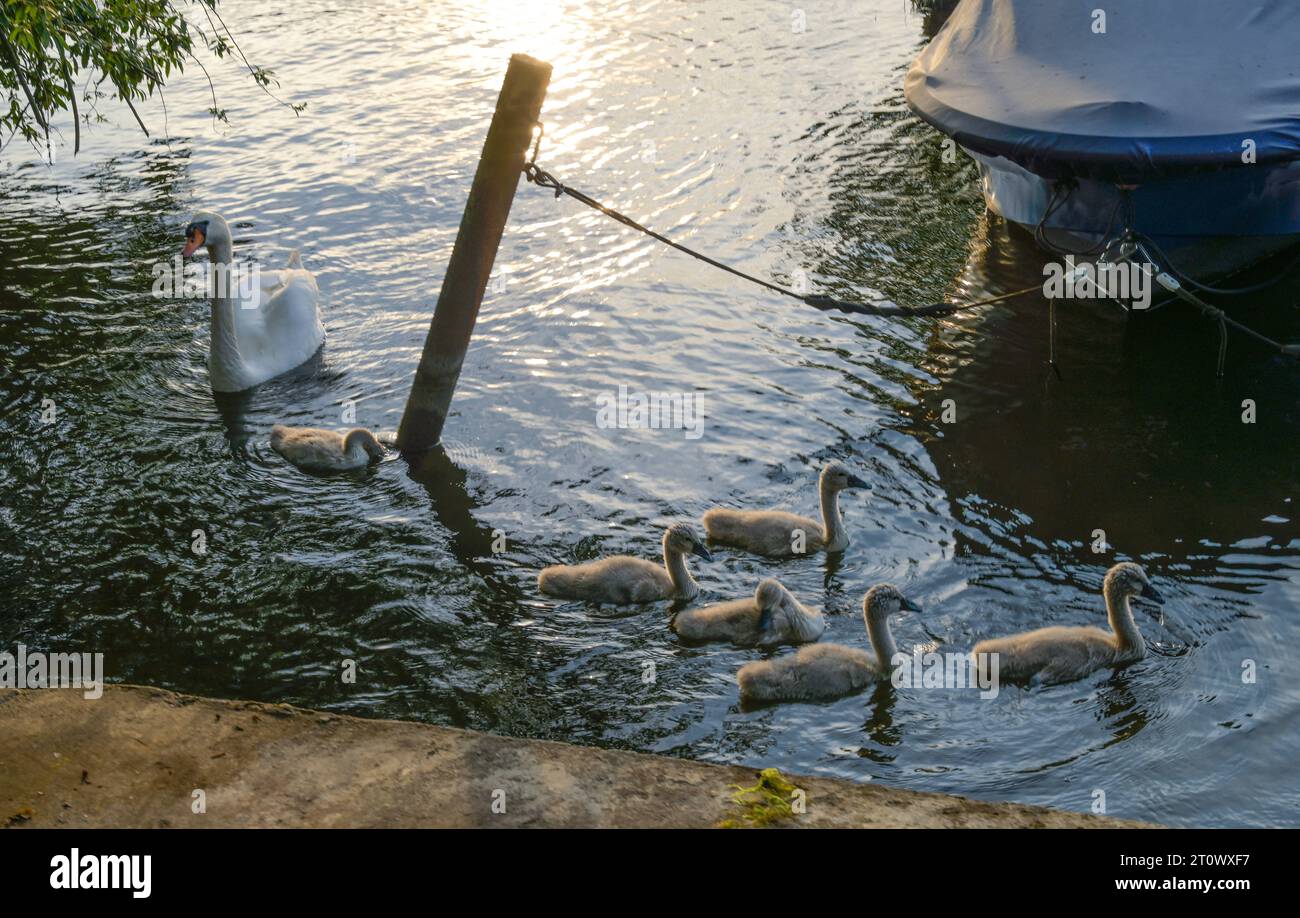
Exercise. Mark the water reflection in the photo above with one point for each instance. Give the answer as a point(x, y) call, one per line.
point(936, 13)
point(473, 543)
point(880, 727)
point(1137, 437)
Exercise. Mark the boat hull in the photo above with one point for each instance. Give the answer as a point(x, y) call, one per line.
point(1248, 201)
point(1211, 224)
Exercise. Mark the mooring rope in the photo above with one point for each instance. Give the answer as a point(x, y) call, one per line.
point(540, 177)
point(1171, 283)
point(544, 179)
point(1223, 291)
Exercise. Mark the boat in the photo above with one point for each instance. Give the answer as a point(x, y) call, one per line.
point(1176, 122)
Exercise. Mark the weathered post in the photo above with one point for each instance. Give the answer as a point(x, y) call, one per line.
point(499, 168)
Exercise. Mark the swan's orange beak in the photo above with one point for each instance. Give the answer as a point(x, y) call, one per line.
point(193, 239)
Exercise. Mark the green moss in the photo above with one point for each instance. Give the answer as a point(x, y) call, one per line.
point(767, 802)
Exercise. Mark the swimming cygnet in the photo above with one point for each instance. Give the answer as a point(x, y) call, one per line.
point(316, 450)
point(1053, 655)
point(623, 579)
point(824, 671)
point(777, 534)
point(771, 616)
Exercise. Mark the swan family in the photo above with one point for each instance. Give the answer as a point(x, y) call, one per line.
point(262, 330)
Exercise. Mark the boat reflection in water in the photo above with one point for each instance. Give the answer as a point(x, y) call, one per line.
point(1132, 433)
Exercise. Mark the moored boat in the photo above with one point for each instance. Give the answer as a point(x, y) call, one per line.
point(1177, 120)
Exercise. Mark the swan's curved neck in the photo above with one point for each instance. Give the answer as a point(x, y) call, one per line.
point(836, 537)
point(1120, 614)
point(225, 340)
point(683, 583)
point(221, 252)
point(882, 640)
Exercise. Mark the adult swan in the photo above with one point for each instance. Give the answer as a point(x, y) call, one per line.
point(262, 328)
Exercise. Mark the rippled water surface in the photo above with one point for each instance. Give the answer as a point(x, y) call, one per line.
point(779, 150)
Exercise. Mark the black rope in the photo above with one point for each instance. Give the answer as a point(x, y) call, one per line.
point(1056, 202)
point(1223, 291)
point(1139, 242)
point(1213, 312)
point(540, 177)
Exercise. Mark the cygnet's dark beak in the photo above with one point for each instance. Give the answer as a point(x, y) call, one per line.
point(702, 552)
point(1151, 593)
point(856, 482)
point(909, 606)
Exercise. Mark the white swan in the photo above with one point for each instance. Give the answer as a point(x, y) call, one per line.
point(623, 579)
point(825, 671)
point(771, 616)
point(259, 329)
point(316, 450)
point(777, 534)
point(1050, 656)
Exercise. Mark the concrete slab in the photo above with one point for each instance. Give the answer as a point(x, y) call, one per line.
point(136, 756)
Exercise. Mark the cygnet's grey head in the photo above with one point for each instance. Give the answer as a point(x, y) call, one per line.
point(837, 477)
point(1128, 579)
point(681, 538)
point(770, 598)
point(883, 600)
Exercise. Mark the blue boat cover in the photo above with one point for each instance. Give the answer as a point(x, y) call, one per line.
point(1167, 86)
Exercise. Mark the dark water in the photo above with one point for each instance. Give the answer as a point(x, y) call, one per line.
point(776, 149)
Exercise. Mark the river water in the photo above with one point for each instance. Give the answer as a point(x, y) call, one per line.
point(776, 142)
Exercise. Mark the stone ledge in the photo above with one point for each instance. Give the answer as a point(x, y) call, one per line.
point(134, 757)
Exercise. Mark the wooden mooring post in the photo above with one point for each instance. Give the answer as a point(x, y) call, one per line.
point(519, 107)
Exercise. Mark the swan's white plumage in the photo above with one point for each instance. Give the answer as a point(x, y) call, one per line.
point(274, 329)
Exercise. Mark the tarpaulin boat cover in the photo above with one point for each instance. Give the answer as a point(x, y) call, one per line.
point(1169, 85)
